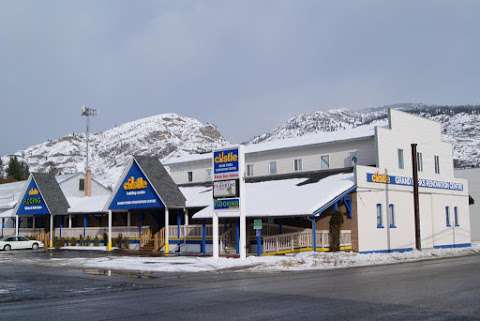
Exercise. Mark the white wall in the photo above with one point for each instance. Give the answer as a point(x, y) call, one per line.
point(473, 176)
point(339, 152)
point(70, 187)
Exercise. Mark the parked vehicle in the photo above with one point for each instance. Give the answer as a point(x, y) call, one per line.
point(19, 243)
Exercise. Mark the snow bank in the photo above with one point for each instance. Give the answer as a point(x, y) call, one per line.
point(294, 262)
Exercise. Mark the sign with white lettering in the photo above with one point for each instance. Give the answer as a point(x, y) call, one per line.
point(224, 189)
point(408, 181)
point(32, 202)
point(135, 192)
point(225, 164)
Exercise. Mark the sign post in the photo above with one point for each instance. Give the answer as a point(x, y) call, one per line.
point(228, 192)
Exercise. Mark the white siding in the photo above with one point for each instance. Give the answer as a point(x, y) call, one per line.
point(70, 187)
point(473, 176)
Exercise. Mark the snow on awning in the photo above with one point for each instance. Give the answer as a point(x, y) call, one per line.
point(8, 213)
point(87, 204)
point(197, 196)
point(289, 197)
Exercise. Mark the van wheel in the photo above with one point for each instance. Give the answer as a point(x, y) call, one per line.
point(35, 246)
point(7, 248)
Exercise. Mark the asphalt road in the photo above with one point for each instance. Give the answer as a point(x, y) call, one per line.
point(447, 289)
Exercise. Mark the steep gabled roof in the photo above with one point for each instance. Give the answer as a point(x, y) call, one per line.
point(51, 192)
point(161, 180)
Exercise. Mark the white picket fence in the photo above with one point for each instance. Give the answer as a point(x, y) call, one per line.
point(301, 240)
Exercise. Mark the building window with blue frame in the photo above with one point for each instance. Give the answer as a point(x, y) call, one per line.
point(455, 213)
point(391, 214)
point(379, 216)
point(447, 216)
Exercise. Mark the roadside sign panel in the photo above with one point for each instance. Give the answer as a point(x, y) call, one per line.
point(32, 202)
point(224, 189)
point(227, 204)
point(135, 192)
point(225, 164)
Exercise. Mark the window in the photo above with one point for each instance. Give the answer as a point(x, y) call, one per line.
point(298, 165)
point(190, 176)
point(272, 167)
point(391, 214)
point(379, 216)
point(325, 162)
point(419, 162)
point(437, 164)
point(250, 170)
point(455, 213)
point(401, 161)
point(81, 184)
point(209, 174)
point(447, 216)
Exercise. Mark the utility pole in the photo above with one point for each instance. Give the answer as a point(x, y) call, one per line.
point(88, 112)
point(416, 202)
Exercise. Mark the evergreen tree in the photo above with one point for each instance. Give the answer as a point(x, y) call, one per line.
point(17, 170)
point(1, 168)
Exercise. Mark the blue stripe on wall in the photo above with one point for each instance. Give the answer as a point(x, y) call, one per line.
point(387, 251)
point(452, 246)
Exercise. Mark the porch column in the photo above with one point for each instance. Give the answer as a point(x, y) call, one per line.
point(237, 238)
point(33, 222)
point(167, 236)
point(61, 225)
point(179, 222)
point(3, 224)
point(85, 224)
point(109, 242)
point(129, 219)
point(16, 224)
point(51, 232)
point(258, 235)
point(243, 236)
point(69, 221)
point(314, 234)
point(204, 239)
point(186, 219)
point(185, 223)
point(215, 235)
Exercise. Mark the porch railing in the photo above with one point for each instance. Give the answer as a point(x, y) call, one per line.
point(302, 240)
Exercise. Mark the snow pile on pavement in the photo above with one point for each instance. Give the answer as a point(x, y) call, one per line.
point(294, 262)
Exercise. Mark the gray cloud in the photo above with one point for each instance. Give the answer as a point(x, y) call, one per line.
point(250, 62)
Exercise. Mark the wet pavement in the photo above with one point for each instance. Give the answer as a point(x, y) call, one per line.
point(446, 289)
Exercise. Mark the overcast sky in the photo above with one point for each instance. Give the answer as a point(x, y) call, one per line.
point(244, 66)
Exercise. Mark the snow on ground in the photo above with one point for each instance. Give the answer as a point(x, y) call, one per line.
point(294, 262)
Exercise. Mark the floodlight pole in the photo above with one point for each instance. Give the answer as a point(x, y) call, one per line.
point(88, 112)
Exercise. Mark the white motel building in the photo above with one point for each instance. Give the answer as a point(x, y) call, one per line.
point(347, 190)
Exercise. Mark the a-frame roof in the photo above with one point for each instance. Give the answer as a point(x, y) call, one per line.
point(161, 180)
point(52, 193)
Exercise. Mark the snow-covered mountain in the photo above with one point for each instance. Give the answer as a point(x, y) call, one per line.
point(164, 136)
point(461, 126)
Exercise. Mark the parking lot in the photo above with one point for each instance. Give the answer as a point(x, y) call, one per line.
point(445, 289)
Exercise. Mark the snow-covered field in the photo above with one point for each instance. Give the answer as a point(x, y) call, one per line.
point(294, 262)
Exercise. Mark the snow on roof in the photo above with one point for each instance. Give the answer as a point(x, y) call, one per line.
point(8, 213)
point(10, 193)
point(197, 196)
point(84, 204)
point(311, 139)
point(289, 197)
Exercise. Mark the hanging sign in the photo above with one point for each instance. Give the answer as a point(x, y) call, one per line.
point(257, 224)
point(33, 202)
point(227, 204)
point(408, 181)
point(135, 192)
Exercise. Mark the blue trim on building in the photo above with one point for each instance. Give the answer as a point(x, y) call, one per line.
point(401, 250)
point(190, 242)
point(334, 201)
point(452, 246)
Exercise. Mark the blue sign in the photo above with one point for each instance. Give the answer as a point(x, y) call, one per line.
point(32, 202)
point(225, 163)
point(408, 181)
point(227, 204)
point(135, 192)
